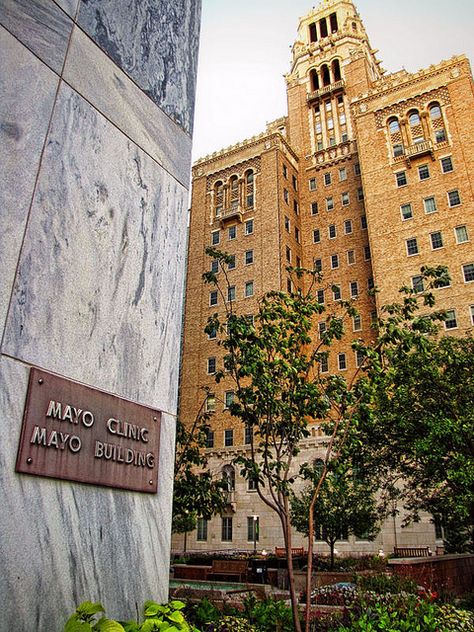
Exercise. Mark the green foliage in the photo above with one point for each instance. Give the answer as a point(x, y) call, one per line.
point(205, 612)
point(451, 618)
point(269, 614)
point(386, 583)
point(195, 493)
point(412, 615)
point(158, 618)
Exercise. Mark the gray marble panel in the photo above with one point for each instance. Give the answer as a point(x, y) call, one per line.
point(62, 543)
point(155, 42)
point(27, 90)
point(95, 76)
point(98, 293)
point(70, 6)
point(41, 26)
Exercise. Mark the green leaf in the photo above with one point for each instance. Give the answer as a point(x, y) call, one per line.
point(108, 625)
point(177, 605)
point(89, 608)
point(176, 617)
point(74, 625)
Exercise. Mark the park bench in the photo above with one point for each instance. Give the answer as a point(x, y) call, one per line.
point(295, 551)
point(412, 551)
point(229, 568)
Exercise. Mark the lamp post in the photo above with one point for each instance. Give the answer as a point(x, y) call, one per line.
point(255, 521)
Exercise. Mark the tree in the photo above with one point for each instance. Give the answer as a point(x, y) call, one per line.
point(195, 493)
point(276, 362)
point(345, 505)
point(418, 437)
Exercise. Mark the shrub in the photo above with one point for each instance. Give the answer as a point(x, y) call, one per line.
point(451, 618)
point(412, 615)
point(205, 612)
point(269, 614)
point(384, 583)
point(232, 624)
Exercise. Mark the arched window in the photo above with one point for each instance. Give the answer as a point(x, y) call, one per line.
point(435, 112)
point(228, 475)
point(393, 125)
point(326, 77)
point(413, 118)
point(336, 70)
point(234, 192)
point(313, 36)
point(314, 79)
point(249, 189)
point(219, 197)
point(333, 22)
point(323, 27)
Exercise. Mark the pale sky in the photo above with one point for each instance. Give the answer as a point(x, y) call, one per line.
point(245, 51)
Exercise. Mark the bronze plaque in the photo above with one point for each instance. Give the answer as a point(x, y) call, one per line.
point(78, 433)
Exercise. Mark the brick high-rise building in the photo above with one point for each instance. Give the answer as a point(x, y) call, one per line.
point(367, 178)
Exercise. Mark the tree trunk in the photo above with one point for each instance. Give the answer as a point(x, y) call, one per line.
point(291, 577)
point(331, 544)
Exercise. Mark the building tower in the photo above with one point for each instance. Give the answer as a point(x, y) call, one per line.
point(366, 179)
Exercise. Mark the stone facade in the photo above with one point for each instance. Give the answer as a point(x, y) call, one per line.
point(95, 124)
point(325, 195)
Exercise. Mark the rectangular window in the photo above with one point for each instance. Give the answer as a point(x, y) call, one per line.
point(215, 237)
point(252, 528)
point(336, 292)
point(367, 254)
point(312, 184)
point(314, 208)
point(471, 312)
point(323, 363)
point(417, 283)
point(351, 257)
point(249, 227)
point(287, 224)
point(201, 530)
point(359, 358)
point(289, 286)
point(318, 127)
point(342, 173)
point(398, 150)
point(356, 323)
point(363, 222)
point(286, 196)
point(334, 262)
point(406, 211)
point(341, 361)
point(327, 178)
point(401, 178)
point(294, 182)
point(446, 164)
point(454, 198)
point(248, 289)
point(423, 172)
point(430, 205)
point(330, 123)
point(226, 535)
point(461, 234)
point(228, 437)
point(348, 227)
point(327, 105)
point(332, 141)
point(468, 272)
point(248, 434)
point(232, 232)
point(214, 266)
point(329, 204)
point(344, 137)
point(320, 297)
point(210, 403)
point(209, 438)
point(436, 240)
point(297, 234)
point(285, 172)
point(316, 236)
point(342, 118)
point(213, 298)
point(231, 264)
point(354, 289)
point(360, 194)
point(440, 135)
point(370, 283)
point(228, 399)
point(231, 293)
point(211, 365)
point(345, 198)
point(296, 208)
point(318, 265)
point(322, 328)
point(450, 322)
point(357, 169)
point(332, 231)
point(212, 334)
point(248, 257)
point(412, 246)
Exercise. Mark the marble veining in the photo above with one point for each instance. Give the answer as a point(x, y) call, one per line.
point(97, 78)
point(41, 26)
point(70, 6)
point(62, 542)
point(155, 42)
point(99, 287)
point(27, 91)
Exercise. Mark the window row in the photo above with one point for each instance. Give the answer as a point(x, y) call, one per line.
point(323, 27)
point(232, 232)
point(328, 177)
point(416, 128)
point(423, 171)
point(235, 193)
point(232, 264)
point(231, 293)
point(451, 321)
point(336, 259)
point(253, 529)
point(336, 291)
point(294, 180)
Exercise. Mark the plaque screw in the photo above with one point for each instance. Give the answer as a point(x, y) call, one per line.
point(151, 482)
point(154, 419)
point(40, 381)
point(29, 460)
